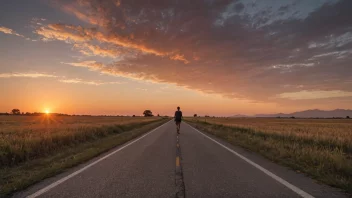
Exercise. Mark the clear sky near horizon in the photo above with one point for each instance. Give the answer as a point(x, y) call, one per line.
point(215, 57)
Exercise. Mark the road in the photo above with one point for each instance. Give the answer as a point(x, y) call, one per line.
point(160, 164)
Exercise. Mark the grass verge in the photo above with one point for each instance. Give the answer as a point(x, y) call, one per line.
point(329, 165)
point(20, 177)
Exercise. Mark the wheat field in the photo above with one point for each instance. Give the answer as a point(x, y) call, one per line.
point(23, 138)
point(336, 132)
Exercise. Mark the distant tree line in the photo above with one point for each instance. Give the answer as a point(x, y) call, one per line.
point(17, 112)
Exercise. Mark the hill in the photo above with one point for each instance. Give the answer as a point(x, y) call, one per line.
point(314, 113)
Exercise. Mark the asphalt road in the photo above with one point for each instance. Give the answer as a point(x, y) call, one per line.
point(160, 164)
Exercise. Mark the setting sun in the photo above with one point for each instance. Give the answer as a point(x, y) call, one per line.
point(47, 111)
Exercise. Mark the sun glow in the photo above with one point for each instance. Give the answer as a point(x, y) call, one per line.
point(47, 111)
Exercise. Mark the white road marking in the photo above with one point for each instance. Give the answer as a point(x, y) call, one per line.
point(53, 185)
point(272, 175)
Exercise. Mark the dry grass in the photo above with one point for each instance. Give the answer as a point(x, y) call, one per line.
point(23, 138)
point(332, 132)
point(322, 148)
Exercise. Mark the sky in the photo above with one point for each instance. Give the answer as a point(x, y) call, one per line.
point(210, 57)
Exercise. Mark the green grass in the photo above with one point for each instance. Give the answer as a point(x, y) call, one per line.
point(330, 164)
point(22, 175)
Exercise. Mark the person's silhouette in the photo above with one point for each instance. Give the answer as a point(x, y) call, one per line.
point(178, 119)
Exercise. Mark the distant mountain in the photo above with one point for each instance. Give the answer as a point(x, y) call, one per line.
point(239, 116)
point(314, 113)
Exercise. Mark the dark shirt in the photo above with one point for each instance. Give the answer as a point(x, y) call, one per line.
point(178, 115)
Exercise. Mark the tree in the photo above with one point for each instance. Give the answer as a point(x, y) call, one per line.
point(148, 113)
point(158, 115)
point(195, 115)
point(16, 112)
point(134, 116)
point(348, 117)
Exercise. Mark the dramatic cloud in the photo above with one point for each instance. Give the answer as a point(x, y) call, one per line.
point(236, 48)
point(9, 31)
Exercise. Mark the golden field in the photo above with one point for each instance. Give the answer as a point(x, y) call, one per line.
point(321, 148)
point(337, 132)
point(23, 138)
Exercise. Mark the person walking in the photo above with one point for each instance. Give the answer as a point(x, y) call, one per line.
point(178, 119)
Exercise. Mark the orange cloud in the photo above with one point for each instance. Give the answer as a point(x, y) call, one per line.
point(111, 70)
point(125, 42)
point(62, 79)
point(67, 33)
point(80, 81)
point(92, 65)
point(27, 75)
point(179, 57)
point(9, 31)
point(83, 36)
point(88, 49)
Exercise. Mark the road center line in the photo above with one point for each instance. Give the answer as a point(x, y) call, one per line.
point(180, 185)
point(62, 180)
point(267, 172)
